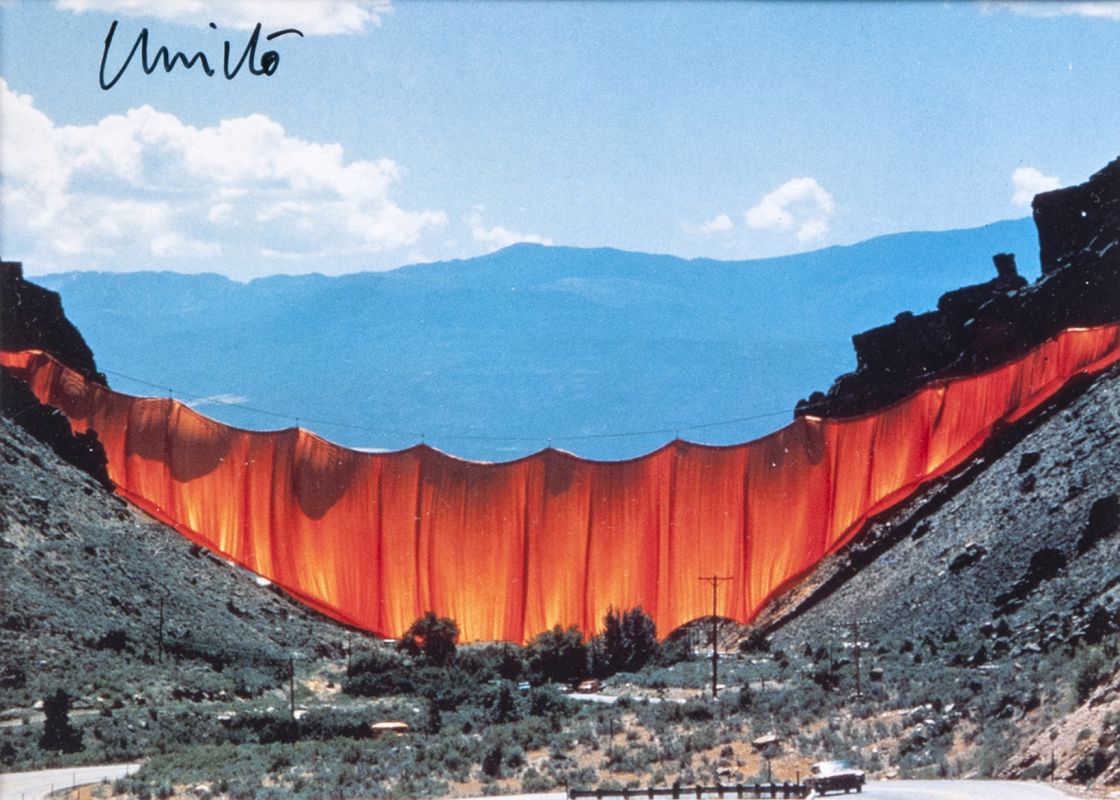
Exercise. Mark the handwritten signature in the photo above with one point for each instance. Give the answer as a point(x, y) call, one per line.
point(266, 64)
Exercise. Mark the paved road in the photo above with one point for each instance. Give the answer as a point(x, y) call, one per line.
point(38, 716)
point(960, 790)
point(35, 785)
point(908, 790)
point(611, 699)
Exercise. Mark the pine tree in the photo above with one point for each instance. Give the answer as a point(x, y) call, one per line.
point(58, 733)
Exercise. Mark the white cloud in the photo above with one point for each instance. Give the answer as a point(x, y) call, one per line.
point(498, 236)
point(311, 17)
point(800, 204)
point(1028, 182)
point(721, 223)
point(144, 185)
point(221, 399)
point(1057, 9)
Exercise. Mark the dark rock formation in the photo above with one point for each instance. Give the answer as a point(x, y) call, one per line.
point(31, 317)
point(976, 327)
point(49, 426)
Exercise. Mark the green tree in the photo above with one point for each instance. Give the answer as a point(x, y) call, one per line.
point(492, 761)
point(504, 707)
point(433, 636)
point(434, 722)
point(745, 698)
point(559, 655)
point(628, 642)
point(756, 642)
point(58, 733)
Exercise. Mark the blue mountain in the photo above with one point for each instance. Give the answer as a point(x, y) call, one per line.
point(494, 357)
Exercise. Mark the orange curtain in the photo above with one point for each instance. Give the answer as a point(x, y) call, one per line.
point(509, 550)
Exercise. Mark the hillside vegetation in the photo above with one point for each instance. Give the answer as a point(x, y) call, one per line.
point(989, 610)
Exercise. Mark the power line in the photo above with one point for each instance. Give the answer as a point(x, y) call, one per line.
point(421, 436)
point(217, 400)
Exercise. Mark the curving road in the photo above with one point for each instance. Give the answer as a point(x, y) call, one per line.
point(905, 790)
point(35, 785)
point(961, 790)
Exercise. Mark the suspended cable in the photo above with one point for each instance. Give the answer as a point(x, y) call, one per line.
point(575, 437)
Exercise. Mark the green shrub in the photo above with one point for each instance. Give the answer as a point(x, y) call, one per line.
point(1092, 668)
point(1091, 765)
point(433, 637)
point(378, 674)
point(263, 728)
point(558, 655)
point(697, 710)
point(331, 723)
point(492, 761)
point(503, 705)
point(628, 642)
point(548, 701)
point(533, 782)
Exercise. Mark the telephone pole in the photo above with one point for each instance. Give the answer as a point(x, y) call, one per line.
point(292, 684)
point(856, 648)
point(715, 580)
point(855, 638)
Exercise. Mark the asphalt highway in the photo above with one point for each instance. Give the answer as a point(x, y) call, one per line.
point(907, 790)
point(35, 785)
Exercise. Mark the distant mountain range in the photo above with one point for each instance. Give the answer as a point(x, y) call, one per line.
point(498, 356)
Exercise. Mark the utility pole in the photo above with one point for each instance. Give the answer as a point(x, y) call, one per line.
point(855, 634)
point(292, 683)
point(714, 580)
point(856, 649)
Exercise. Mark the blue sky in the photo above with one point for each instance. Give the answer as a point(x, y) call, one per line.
point(393, 134)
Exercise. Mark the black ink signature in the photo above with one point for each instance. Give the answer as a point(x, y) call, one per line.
point(265, 65)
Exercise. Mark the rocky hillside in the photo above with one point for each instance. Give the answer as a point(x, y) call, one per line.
point(86, 579)
point(1006, 569)
point(1011, 562)
point(31, 318)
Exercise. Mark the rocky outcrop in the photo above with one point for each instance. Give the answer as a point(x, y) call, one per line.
point(998, 585)
point(977, 327)
point(31, 317)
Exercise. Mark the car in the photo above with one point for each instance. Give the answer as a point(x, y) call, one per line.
point(832, 776)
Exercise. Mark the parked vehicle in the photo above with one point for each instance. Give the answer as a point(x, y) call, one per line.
point(389, 728)
point(832, 776)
